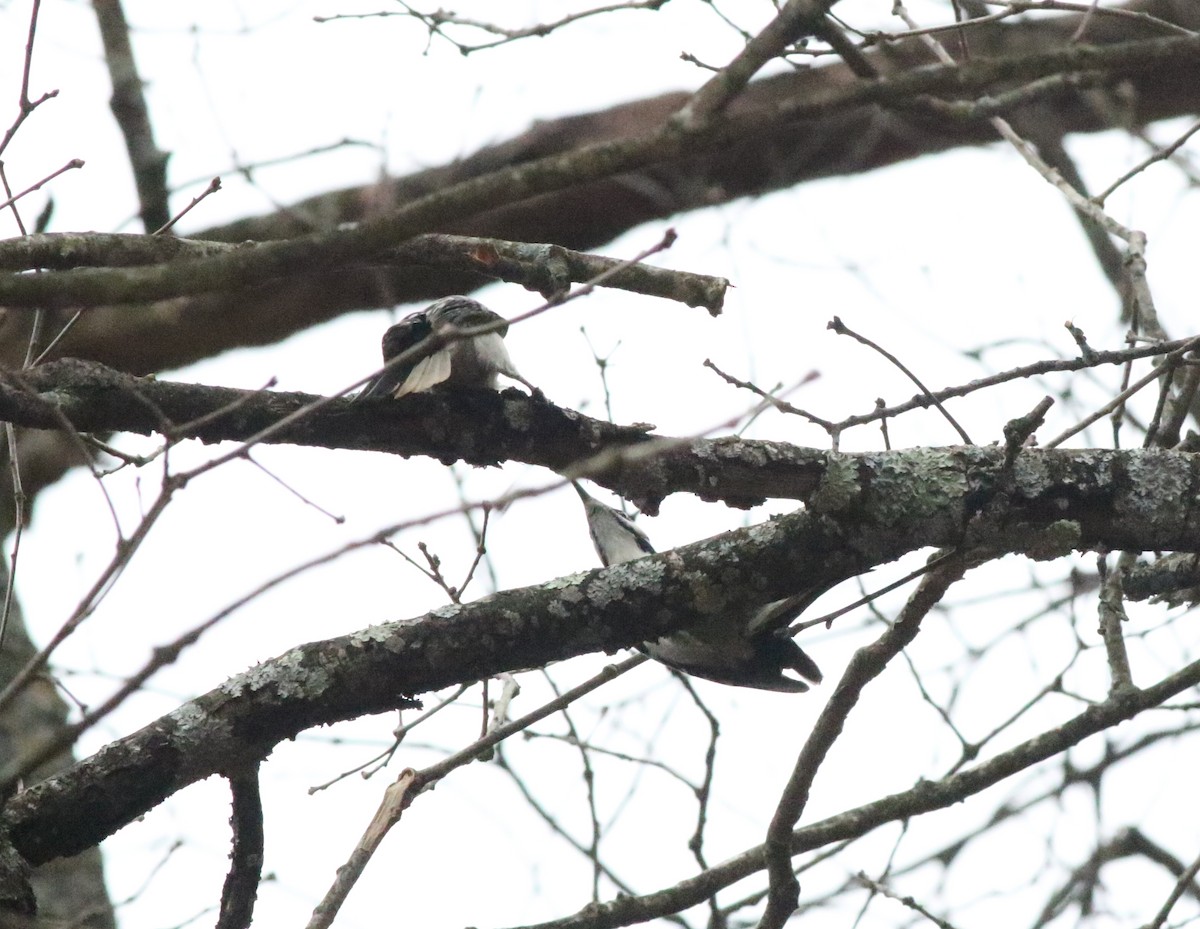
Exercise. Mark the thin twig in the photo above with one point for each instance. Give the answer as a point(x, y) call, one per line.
point(339, 520)
point(1112, 617)
point(771, 398)
point(380, 760)
point(867, 664)
point(411, 783)
point(70, 165)
point(18, 492)
point(436, 20)
point(25, 105)
point(1182, 886)
point(1161, 154)
point(1051, 366)
point(1188, 345)
point(66, 327)
point(906, 900)
point(213, 186)
point(841, 328)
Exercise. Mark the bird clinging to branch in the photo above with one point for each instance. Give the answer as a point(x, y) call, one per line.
point(472, 361)
point(748, 649)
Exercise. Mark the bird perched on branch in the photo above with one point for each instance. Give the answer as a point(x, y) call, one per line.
point(473, 361)
point(747, 650)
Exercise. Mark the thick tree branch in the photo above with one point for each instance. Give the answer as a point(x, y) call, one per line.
point(483, 427)
point(782, 131)
point(572, 182)
point(16, 892)
point(262, 263)
point(779, 132)
point(547, 269)
point(870, 509)
point(478, 427)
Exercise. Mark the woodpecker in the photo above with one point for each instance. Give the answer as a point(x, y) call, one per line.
point(469, 362)
point(750, 650)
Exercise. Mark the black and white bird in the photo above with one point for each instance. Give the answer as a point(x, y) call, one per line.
point(748, 651)
point(476, 361)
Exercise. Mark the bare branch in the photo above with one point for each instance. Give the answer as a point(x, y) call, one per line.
point(925, 797)
point(867, 664)
point(547, 269)
point(129, 108)
point(246, 857)
point(1051, 500)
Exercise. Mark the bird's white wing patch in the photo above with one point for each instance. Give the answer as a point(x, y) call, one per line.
point(427, 373)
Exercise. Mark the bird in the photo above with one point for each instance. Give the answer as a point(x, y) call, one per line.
point(475, 361)
point(747, 651)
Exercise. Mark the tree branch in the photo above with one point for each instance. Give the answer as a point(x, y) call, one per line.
point(866, 665)
point(129, 109)
point(579, 182)
point(547, 269)
point(925, 797)
point(246, 857)
point(887, 504)
point(486, 427)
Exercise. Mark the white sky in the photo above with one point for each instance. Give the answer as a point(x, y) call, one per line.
point(930, 258)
